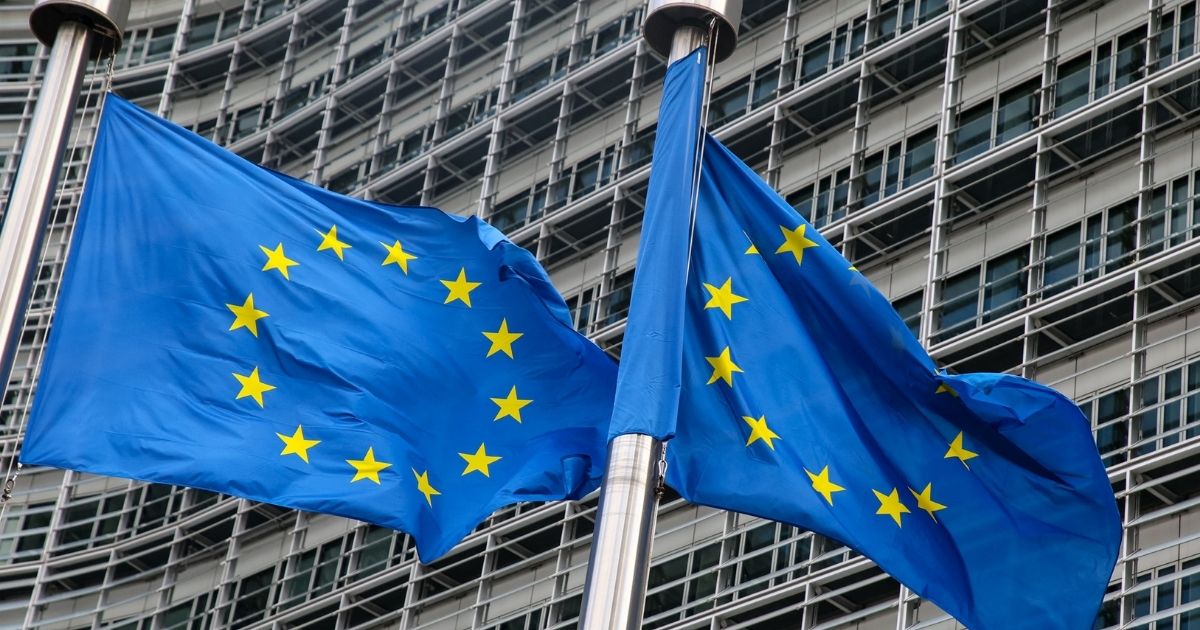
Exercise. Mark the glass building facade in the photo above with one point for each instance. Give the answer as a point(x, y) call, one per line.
point(1019, 177)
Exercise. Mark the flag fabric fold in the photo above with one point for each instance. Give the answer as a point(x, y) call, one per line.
point(804, 398)
point(226, 327)
point(648, 389)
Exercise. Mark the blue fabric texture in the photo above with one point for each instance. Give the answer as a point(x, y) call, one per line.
point(648, 398)
point(804, 398)
point(226, 327)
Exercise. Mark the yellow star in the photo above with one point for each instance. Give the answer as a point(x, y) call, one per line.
point(723, 298)
point(330, 241)
point(959, 452)
point(252, 386)
point(723, 367)
point(246, 316)
point(277, 261)
point(925, 501)
point(890, 505)
point(760, 431)
point(502, 340)
point(460, 288)
point(795, 242)
point(397, 256)
point(296, 444)
point(479, 461)
point(510, 407)
point(367, 467)
point(423, 486)
point(946, 389)
point(822, 484)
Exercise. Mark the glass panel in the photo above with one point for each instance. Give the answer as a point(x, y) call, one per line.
point(973, 135)
point(1103, 70)
point(1071, 91)
point(1018, 107)
point(815, 60)
point(960, 296)
point(1121, 239)
point(202, 32)
point(1005, 284)
point(1131, 57)
point(918, 161)
point(1187, 30)
point(1061, 269)
point(909, 310)
point(872, 174)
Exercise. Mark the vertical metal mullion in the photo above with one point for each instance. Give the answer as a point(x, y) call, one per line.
point(951, 84)
point(339, 72)
point(287, 69)
point(483, 590)
point(224, 605)
point(491, 169)
point(446, 90)
point(1037, 228)
point(34, 611)
point(165, 102)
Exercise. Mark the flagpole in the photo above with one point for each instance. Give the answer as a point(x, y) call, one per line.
point(74, 30)
point(614, 594)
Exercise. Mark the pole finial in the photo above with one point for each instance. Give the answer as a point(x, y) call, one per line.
point(105, 18)
point(666, 16)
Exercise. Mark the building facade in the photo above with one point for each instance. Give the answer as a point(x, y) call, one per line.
point(1019, 178)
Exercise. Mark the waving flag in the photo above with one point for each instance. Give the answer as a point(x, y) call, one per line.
point(802, 397)
point(227, 327)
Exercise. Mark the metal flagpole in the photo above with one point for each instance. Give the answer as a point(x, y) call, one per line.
point(615, 592)
point(74, 30)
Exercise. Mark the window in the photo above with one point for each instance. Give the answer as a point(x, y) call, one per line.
point(1002, 118)
point(616, 303)
point(582, 306)
point(823, 201)
point(1101, 243)
point(832, 50)
point(1074, 84)
point(1130, 59)
point(593, 172)
point(973, 134)
point(909, 310)
point(16, 61)
point(159, 45)
point(253, 594)
point(982, 293)
point(471, 113)
point(1072, 256)
point(1170, 218)
point(423, 24)
point(610, 35)
point(517, 210)
point(745, 94)
point(912, 156)
point(202, 32)
point(540, 75)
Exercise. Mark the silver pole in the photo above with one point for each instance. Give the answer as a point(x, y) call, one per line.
point(615, 592)
point(75, 29)
point(614, 595)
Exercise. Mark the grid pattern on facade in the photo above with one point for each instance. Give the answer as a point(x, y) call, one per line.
point(1019, 177)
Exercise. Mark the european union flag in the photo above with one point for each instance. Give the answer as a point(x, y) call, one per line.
point(227, 327)
point(803, 398)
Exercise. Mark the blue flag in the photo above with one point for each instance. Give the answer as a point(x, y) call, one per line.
point(227, 327)
point(805, 399)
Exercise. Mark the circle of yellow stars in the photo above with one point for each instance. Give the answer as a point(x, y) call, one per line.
point(247, 316)
point(724, 299)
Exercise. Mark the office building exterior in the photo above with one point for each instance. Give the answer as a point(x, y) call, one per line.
point(1017, 176)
